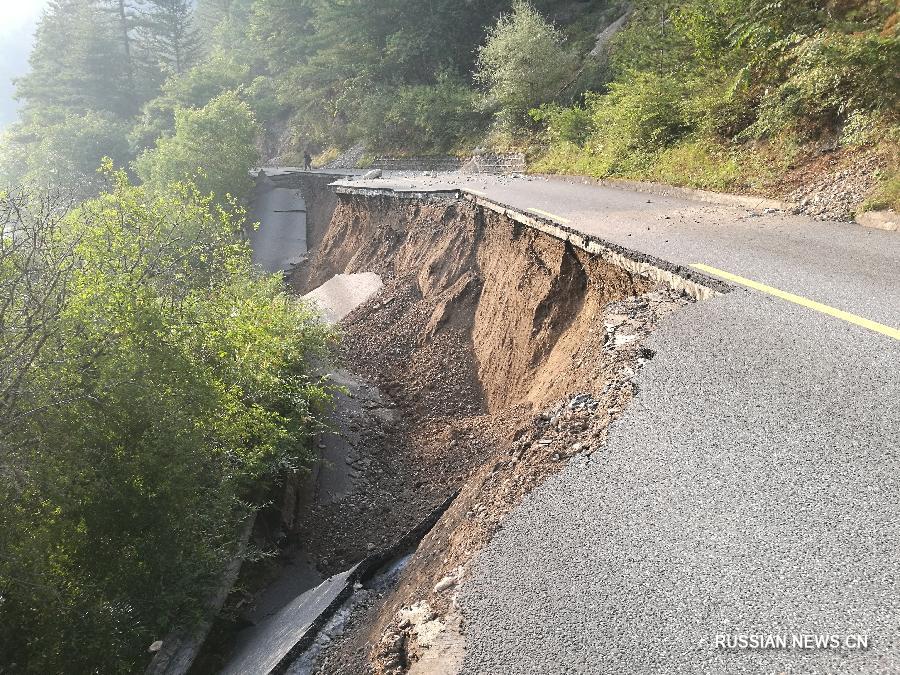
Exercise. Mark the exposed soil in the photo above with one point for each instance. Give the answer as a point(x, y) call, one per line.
point(492, 356)
point(320, 203)
point(499, 352)
point(832, 184)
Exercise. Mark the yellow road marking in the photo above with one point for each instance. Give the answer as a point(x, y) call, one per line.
point(800, 300)
point(552, 216)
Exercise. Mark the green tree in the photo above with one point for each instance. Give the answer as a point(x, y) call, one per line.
point(223, 26)
point(359, 50)
point(64, 149)
point(78, 62)
point(217, 73)
point(523, 64)
point(149, 381)
point(168, 34)
point(208, 14)
point(283, 32)
point(216, 143)
point(421, 118)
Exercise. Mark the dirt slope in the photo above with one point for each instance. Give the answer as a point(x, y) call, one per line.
point(504, 352)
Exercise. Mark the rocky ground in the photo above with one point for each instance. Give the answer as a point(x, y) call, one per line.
point(348, 159)
point(833, 184)
point(416, 623)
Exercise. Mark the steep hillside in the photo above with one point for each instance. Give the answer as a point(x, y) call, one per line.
point(503, 352)
point(788, 99)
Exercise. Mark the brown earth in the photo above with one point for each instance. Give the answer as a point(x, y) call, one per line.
point(321, 202)
point(833, 183)
point(502, 352)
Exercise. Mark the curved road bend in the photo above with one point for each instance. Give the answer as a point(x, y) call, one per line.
point(752, 487)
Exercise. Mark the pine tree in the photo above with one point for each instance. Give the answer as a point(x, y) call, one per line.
point(78, 63)
point(125, 21)
point(281, 31)
point(169, 36)
point(209, 14)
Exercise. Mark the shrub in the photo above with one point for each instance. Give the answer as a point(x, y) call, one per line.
point(421, 118)
point(195, 88)
point(160, 384)
point(698, 164)
point(522, 64)
point(65, 151)
point(886, 196)
point(216, 144)
point(565, 125)
point(832, 76)
point(639, 117)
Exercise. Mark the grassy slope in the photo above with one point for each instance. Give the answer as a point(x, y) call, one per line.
point(693, 146)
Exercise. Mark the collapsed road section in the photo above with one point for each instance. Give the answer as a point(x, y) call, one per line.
point(500, 347)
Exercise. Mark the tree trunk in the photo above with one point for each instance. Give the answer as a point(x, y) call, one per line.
point(126, 44)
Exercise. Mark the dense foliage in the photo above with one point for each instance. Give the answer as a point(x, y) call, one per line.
point(215, 142)
point(523, 64)
point(150, 380)
point(701, 90)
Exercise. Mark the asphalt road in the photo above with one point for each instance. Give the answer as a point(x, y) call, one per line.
point(262, 647)
point(753, 485)
point(851, 268)
point(280, 238)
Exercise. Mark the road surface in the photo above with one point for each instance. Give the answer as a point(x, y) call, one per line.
point(280, 240)
point(752, 488)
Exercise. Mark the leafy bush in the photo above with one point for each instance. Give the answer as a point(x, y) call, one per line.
point(832, 76)
point(698, 164)
point(195, 88)
point(569, 158)
point(65, 151)
point(565, 125)
point(638, 118)
point(421, 118)
point(523, 64)
point(262, 95)
point(887, 194)
point(695, 80)
point(216, 143)
point(149, 382)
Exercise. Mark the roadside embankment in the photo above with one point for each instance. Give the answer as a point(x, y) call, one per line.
point(501, 350)
point(321, 202)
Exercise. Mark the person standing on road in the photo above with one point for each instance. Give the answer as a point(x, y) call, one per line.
point(307, 161)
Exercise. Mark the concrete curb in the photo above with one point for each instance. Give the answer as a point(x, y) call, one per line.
point(447, 194)
point(880, 220)
point(363, 572)
point(692, 283)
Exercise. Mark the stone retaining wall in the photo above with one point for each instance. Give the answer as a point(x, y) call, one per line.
point(513, 162)
point(495, 163)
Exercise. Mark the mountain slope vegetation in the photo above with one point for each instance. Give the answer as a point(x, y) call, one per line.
point(711, 93)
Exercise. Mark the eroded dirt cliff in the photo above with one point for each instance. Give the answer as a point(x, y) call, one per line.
point(502, 352)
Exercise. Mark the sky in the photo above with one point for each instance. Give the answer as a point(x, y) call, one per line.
point(17, 21)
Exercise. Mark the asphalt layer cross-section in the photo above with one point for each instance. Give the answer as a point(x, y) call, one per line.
point(751, 488)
